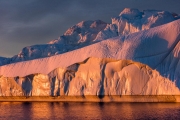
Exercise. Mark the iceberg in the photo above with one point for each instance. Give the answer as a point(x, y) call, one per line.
point(138, 54)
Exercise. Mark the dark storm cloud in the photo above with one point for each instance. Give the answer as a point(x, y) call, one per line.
point(27, 22)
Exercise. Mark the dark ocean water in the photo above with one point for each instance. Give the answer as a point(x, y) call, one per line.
point(72, 110)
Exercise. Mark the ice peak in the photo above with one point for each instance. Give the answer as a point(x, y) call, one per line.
point(86, 26)
point(130, 13)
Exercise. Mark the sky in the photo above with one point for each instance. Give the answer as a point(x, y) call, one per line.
point(29, 22)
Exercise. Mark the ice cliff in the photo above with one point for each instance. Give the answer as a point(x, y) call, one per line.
point(93, 76)
point(94, 58)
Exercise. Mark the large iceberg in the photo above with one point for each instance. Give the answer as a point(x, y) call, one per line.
point(138, 54)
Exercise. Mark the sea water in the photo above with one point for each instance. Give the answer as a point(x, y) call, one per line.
point(81, 111)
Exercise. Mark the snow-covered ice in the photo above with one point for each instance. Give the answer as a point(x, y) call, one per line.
point(89, 32)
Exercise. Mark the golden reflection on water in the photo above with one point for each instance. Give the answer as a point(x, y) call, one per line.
point(72, 110)
point(40, 110)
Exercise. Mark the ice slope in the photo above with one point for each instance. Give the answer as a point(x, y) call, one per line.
point(90, 32)
point(170, 66)
point(93, 76)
